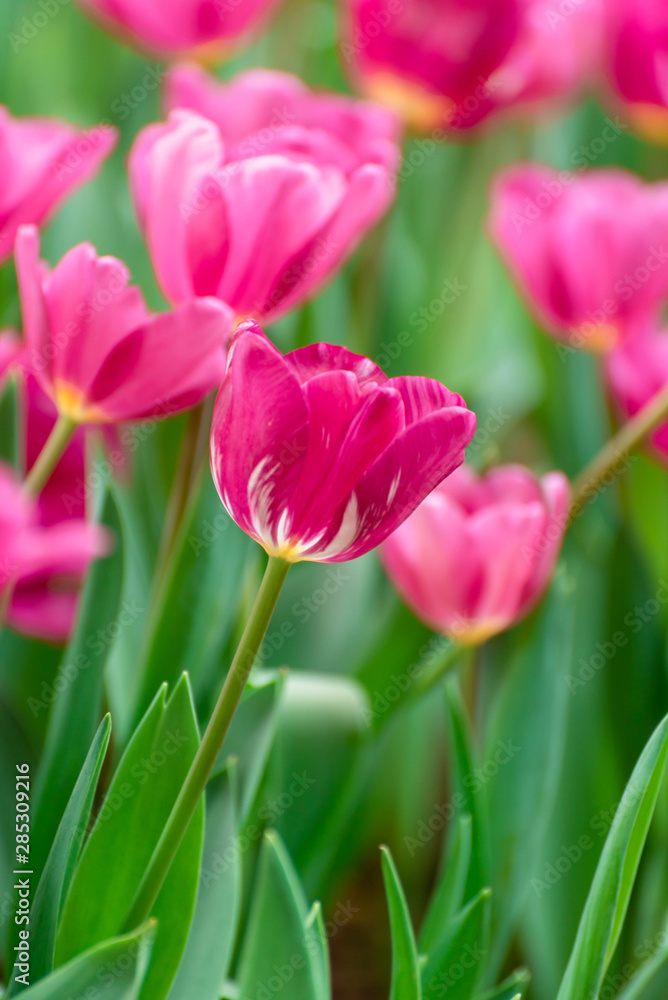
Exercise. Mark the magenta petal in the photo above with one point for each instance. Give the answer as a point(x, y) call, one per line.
point(390, 490)
point(259, 435)
point(170, 364)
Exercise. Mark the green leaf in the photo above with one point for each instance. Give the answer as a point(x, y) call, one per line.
point(530, 715)
point(644, 979)
point(196, 602)
point(405, 961)
point(76, 710)
point(458, 962)
point(126, 832)
point(276, 953)
point(213, 930)
point(449, 892)
point(608, 899)
point(11, 449)
point(115, 969)
point(512, 988)
point(316, 940)
point(469, 791)
point(59, 868)
point(252, 732)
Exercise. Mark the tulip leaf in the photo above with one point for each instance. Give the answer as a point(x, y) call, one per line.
point(252, 733)
point(78, 689)
point(526, 738)
point(11, 449)
point(513, 988)
point(469, 791)
point(608, 899)
point(316, 938)
point(277, 952)
point(646, 977)
point(196, 601)
point(405, 984)
point(457, 962)
point(449, 892)
point(114, 968)
point(57, 875)
point(135, 810)
point(213, 930)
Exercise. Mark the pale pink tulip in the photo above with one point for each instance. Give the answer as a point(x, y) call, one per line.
point(479, 552)
point(318, 455)
point(260, 221)
point(42, 162)
point(636, 371)
point(178, 26)
point(98, 352)
point(589, 252)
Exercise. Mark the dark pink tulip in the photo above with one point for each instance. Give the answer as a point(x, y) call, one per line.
point(638, 51)
point(44, 565)
point(636, 371)
point(178, 26)
point(98, 352)
point(554, 57)
point(589, 252)
point(261, 231)
point(318, 455)
point(42, 161)
point(429, 60)
point(480, 551)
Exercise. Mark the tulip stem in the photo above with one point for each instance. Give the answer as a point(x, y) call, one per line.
point(212, 742)
point(49, 456)
point(632, 434)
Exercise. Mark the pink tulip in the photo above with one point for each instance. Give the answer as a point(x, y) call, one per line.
point(638, 50)
point(318, 455)
point(429, 60)
point(98, 352)
point(554, 56)
point(43, 566)
point(479, 552)
point(261, 112)
point(177, 26)
point(589, 252)
point(264, 231)
point(10, 352)
point(42, 161)
point(636, 371)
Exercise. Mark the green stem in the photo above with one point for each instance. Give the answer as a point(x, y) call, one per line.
point(447, 661)
point(189, 463)
point(211, 744)
point(632, 434)
point(49, 456)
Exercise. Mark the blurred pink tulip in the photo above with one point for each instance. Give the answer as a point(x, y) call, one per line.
point(98, 352)
point(261, 112)
point(552, 60)
point(590, 252)
point(260, 230)
point(429, 60)
point(44, 566)
point(636, 372)
point(318, 455)
point(42, 161)
point(479, 552)
point(638, 52)
point(178, 26)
